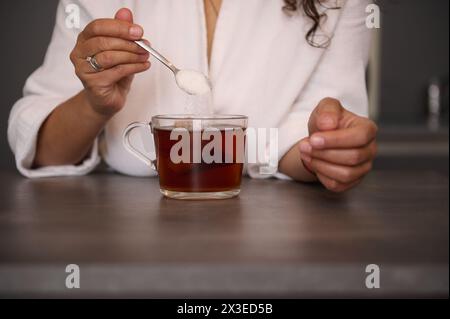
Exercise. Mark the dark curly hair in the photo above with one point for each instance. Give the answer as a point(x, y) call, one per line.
point(310, 8)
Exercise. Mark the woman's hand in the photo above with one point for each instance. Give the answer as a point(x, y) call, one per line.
point(104, 94)
point(110, 41)
point(341, 147)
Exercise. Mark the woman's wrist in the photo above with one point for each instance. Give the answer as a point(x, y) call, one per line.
point(67, 135)
point(89, 112)
point(292, 166)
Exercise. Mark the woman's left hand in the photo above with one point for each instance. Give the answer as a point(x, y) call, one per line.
point(341, 146)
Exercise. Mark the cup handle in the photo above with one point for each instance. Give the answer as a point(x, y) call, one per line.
point(127, 143)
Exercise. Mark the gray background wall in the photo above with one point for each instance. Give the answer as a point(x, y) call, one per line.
point(25, 30)
point(414, 48)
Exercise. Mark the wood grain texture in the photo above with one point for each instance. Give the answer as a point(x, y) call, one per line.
point(398, 220)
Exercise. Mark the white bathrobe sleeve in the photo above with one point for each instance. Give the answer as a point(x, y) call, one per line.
point(340, 73)
point(50, 85)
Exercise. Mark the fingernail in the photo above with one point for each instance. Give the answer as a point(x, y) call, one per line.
point(317, 141)
point(144, 57)
point(306, 158)
point(136, 32)
point(327, 121)
point(305, 147)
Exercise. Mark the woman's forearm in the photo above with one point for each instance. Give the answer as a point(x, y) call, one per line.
point(292, 166)
point(67, 135)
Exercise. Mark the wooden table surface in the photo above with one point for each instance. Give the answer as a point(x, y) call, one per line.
point(277, 239)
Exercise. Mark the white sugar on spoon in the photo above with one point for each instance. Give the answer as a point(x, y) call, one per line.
point(192, 82)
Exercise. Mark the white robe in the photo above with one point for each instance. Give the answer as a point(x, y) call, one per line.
point(261, 66)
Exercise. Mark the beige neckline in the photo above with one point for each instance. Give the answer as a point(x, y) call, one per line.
point(212, 11)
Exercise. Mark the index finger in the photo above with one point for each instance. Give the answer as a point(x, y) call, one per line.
point(112, 28)
point(352, 137)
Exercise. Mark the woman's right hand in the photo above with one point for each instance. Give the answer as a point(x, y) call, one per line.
point(111, 42)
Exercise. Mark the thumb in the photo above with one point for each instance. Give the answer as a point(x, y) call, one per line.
point(326, 116)
point(124, 14)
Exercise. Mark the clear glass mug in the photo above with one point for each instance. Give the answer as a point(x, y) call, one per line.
point(197, 157)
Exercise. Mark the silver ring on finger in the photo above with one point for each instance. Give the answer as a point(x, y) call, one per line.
point(94, 64)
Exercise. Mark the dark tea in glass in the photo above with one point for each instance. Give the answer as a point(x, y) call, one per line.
point(197, 157)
